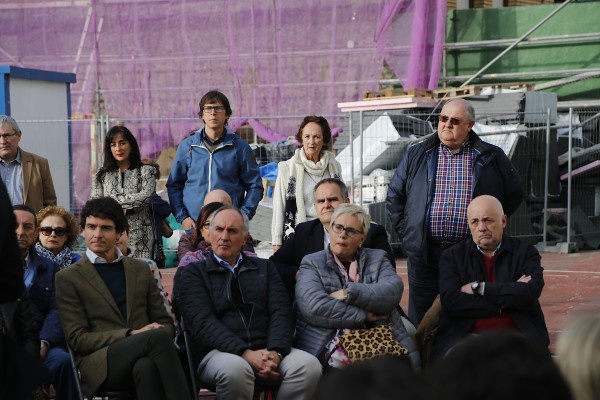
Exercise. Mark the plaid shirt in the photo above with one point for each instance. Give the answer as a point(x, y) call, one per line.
point(452, 193)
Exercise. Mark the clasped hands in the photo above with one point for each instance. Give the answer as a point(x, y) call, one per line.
point(264, 363)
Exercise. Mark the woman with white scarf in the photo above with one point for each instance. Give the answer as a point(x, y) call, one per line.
point(57, 234)
point(293, 197)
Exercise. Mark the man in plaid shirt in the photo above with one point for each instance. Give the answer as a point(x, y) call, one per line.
point(428, 197)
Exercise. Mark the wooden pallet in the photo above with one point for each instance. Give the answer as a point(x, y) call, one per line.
point(397, 93)
point(471, 90)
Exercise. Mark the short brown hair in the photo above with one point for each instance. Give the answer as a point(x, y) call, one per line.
point(321, 121)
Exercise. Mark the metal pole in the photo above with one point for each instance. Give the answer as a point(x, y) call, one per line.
point(569, 187)
point(519, 40)
point(546, 177)
point(351, 160)
point(360, 164)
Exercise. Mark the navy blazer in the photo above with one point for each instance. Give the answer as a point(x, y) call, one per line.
point(308, 239)
point(43, 299)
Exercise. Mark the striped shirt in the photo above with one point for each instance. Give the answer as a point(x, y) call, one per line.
point(452, 193)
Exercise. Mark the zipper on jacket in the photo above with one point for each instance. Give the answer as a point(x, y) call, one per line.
point(230, 297)
point(210, 161)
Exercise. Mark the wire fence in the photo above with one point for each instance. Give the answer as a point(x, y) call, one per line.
point(370, 148)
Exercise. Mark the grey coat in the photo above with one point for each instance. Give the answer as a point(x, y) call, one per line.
point(320, 315)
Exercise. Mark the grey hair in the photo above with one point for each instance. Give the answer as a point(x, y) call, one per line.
point(7, 120)
point(468, 108)
point(335, 181)
point(354, 210)
point(246, 221)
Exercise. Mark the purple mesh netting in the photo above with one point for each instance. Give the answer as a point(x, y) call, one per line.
point(155, 59)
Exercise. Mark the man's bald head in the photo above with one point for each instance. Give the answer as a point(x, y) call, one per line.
point(219, 196)
point(487, 221)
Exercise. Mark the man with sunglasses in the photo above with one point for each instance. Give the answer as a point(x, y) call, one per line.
point(26, 175)
point(429, 194)
point(213, 157)
point(39, 275)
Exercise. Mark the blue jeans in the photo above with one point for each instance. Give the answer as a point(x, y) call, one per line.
point(58, 363)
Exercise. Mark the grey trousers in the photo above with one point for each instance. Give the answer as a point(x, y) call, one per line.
point(233, 377)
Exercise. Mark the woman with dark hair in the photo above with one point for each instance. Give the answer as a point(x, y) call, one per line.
point(293, 197)
point(126, 179)
point(57, 233)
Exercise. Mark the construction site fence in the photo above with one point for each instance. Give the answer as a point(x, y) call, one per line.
point(558, 160)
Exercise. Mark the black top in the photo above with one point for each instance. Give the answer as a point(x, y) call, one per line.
point(113, 276)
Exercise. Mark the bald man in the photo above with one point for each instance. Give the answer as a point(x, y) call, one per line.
point(489, 282)
point(217, 196)
point(188, 241)
point(428, 197)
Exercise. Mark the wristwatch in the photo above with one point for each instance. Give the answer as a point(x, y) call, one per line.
point(475, 287)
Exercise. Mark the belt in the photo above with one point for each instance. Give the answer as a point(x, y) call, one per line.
point(441, 243)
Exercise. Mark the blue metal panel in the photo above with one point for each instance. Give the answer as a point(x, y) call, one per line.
point(37, 74)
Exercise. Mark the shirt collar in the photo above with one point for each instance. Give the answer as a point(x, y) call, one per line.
point(495, 251)
point(17, 160)
point(465, 146)
point(96, 259)
point(226, 264)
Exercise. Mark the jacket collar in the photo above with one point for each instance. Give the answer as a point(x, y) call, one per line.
point(433, 141)
point(212, 265)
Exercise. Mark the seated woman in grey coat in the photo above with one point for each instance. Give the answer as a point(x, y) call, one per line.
point(346, 286)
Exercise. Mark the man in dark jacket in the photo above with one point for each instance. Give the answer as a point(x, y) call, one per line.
point(428, 197)
point(313, 236)
point(39, 273)
point(240, 318)
point(489, 282)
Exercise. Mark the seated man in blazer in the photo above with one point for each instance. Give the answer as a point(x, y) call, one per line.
point(113, 314)
point(313, 236)
point(26, 175)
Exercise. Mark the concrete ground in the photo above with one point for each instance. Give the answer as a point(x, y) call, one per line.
point(572, 287)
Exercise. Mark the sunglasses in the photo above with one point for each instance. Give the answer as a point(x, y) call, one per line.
point(453, 121)
point(47, 231)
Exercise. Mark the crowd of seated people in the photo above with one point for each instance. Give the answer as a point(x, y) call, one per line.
point(254, 324)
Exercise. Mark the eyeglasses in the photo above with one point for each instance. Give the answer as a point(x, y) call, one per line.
point(210, 109)
point(351, 232)
point(453, 121)
point(7, 136)
point(47, 231)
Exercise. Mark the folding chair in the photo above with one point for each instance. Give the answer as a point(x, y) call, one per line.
point(103, 394)
point(262, 390)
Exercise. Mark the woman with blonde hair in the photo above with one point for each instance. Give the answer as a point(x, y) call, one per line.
point(578, 351)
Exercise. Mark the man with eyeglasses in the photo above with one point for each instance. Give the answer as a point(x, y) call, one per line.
point(26, 175)
point(428, 196)
point(313, 236)
point(39, 273)
point(213, 157)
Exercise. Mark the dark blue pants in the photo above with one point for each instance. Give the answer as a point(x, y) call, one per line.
point(423, 281)
point(58, 363)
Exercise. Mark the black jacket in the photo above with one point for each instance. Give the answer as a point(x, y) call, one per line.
point(411, 190)
point(214, 319)
point(309, 238)
point(463, 263)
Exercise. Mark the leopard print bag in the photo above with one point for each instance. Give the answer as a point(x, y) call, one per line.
point(364, 344)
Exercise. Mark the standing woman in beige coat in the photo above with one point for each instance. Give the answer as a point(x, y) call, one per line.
point(124, 178)
point(293, 197)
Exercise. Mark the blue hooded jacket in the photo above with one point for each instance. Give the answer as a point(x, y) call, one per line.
point(196, 171)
